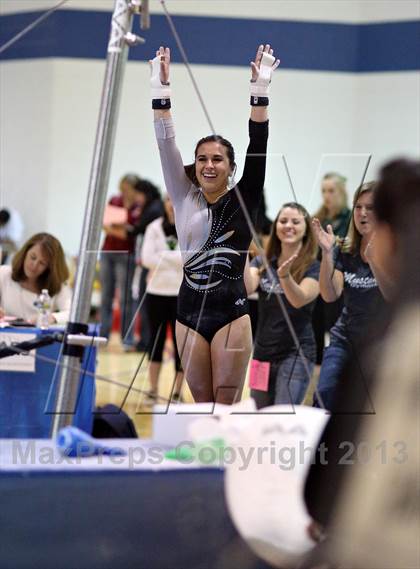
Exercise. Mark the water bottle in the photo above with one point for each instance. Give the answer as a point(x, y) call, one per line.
point(43, 303)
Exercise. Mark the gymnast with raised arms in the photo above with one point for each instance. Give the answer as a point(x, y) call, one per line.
point(213, 327)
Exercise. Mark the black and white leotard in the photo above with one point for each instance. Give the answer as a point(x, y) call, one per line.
point(214, 238)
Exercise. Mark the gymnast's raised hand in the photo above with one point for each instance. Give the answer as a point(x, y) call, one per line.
point(161, 61)
point(159, 80)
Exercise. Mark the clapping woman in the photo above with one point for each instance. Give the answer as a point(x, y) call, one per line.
point(347, 270)
point(293, 273)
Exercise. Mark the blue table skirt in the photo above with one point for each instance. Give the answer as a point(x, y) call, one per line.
point(27, 399)
point(146, 520)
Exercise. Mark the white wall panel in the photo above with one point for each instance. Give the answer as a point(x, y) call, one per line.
point(318, 10)
point(319, 121)
point(25, 140)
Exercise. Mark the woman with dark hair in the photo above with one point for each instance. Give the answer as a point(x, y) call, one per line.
point(294, 272)
point(346, 269)
point(213, 325)
point(11, 231)
point(147, 197)
point(162, 257)
point(39, 264)
point(117, 261)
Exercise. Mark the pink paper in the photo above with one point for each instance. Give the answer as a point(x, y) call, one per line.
point(259, 375)
point(114, 215)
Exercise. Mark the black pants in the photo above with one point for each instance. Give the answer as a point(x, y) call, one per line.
point(253, 314)
point(161, 311)
point(145, 326)
point(324, 317)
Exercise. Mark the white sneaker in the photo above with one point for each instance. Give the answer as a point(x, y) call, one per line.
point(151, 398)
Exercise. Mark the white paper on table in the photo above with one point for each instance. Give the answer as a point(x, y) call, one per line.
point(19, 362)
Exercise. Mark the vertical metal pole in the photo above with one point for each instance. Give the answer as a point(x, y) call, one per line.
point(68, 384)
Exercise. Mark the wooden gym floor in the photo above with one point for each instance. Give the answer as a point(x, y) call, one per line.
point(130, 370)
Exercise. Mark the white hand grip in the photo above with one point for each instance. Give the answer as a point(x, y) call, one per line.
point(266, 66)
point(159, 91)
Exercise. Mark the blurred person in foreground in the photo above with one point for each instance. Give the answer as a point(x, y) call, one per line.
point(366, 495)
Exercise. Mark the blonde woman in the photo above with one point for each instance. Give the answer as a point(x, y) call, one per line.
point(334, 211)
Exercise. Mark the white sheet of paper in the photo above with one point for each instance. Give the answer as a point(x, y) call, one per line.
point(25, 363)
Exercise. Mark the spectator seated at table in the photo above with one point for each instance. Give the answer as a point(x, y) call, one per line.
point(39, 264)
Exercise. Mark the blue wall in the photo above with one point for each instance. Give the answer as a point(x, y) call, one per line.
point(313, 46)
